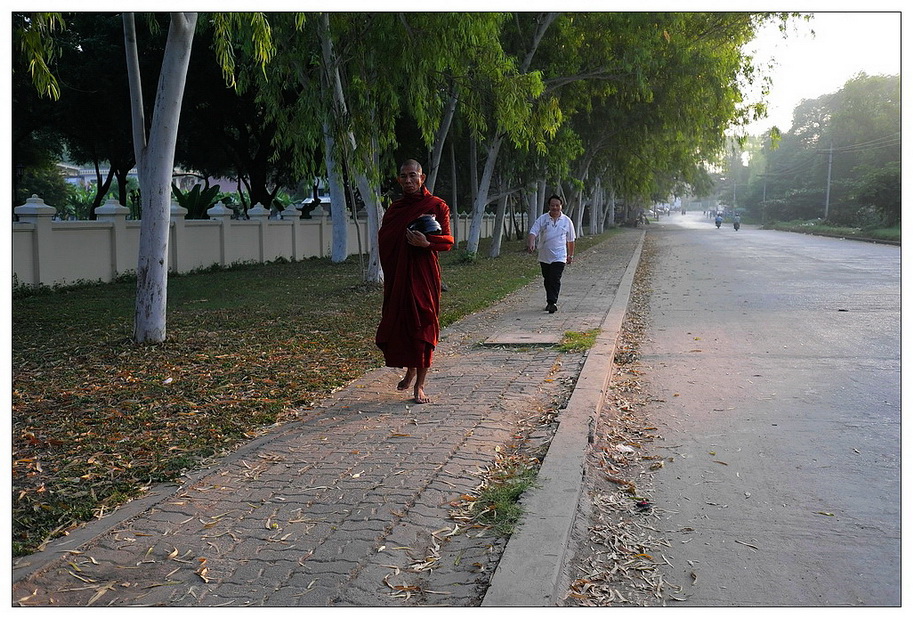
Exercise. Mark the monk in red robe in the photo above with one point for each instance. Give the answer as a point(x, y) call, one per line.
point(409, 326)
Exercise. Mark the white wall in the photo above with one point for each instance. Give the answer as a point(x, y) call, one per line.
point(47, 252)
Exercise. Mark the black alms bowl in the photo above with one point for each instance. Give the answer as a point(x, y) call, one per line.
point(426, 224)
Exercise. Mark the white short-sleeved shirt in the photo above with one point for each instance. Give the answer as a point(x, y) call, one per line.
point(552, 237)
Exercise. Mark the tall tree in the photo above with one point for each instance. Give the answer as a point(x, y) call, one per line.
point(155, 162)
point(155, 150)
point(154, 138)
point(841, 146)
point(328, 117)
point(652, 100)
point(514, 113)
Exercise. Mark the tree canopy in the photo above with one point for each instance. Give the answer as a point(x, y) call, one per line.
point(840, 161)
point(629, 104)
point(647, 96)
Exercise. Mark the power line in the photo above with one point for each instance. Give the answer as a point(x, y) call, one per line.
point(809, 164)
point(804, 166)
point(882, 142)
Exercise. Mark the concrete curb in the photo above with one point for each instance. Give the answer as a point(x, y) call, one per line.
point(530, 569)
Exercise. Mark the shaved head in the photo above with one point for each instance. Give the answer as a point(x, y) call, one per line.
point(411, 163)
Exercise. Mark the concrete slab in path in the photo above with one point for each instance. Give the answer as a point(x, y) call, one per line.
point(525, 338)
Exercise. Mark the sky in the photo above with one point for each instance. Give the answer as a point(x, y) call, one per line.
point(810, 65)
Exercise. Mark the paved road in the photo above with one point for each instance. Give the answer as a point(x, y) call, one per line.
point(775, 358)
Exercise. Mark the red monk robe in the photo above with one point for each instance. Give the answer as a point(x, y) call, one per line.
point(409, 327)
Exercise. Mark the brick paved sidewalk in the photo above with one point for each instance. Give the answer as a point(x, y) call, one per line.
point(351, 504)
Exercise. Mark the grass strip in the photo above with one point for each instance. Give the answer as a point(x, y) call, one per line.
point(890, 235)
point(578, 341)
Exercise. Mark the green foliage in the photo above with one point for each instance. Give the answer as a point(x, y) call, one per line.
point(89, 122)
point(234, 135)
point(658, 90)
point(198, 200)
point(468, 257)
point(884, 234)
point(79, 203)
point(881, 190)
point(498, 503)
point(802, 204)
point(822, 228)
point(282, 200)
point(34, 37)
point(45, 181)
point(850, 137)
point(247, 33)
point(639, 99)
point(576, 341)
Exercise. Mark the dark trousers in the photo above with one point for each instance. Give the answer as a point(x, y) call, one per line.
point(551, 273)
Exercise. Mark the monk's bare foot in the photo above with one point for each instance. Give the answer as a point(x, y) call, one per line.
point(406, 381)
point(420, 397)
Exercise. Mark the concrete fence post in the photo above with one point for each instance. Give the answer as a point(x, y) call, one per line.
point(324, 233)
point(178, 241)
point(260, 214)
point(39, 214)
point(221, 213)
point(293, 217)
point(114, 212)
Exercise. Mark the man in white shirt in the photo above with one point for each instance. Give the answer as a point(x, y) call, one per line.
point(553, 233)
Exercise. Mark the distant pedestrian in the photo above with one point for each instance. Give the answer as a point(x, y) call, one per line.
point(553, 234)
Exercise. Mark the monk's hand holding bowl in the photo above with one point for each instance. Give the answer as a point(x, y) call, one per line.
point(413, 237)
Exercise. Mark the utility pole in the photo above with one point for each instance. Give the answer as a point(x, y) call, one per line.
point(827, 192)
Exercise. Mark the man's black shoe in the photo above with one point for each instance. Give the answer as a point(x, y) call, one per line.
point(552, 308)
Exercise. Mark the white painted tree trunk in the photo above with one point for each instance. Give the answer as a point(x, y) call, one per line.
point(611, 206)
point(481, 201)
point(333, 85)
point(437, 149)
point(578, 214)
point(597, 214)
point(454, 212)
point(603, 205)
point(155, 164)
point(532, 198)
point(338, 251)
point(534, 205)
point(497, 233)
point(473, 169)
point(373, 272)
